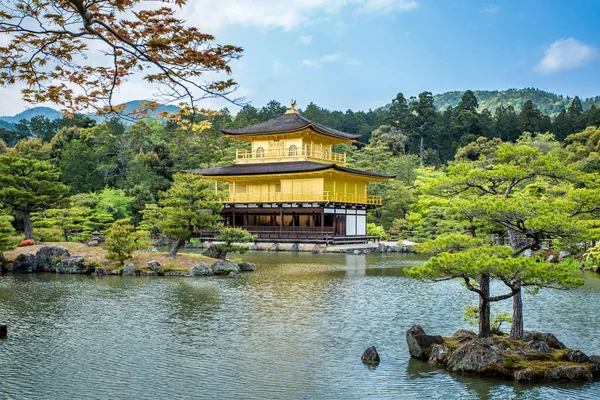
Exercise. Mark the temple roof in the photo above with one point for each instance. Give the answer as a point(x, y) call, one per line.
point(288, 123)
point(282, 168)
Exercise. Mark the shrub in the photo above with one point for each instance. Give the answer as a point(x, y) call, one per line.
point(376, 230)
point(28, 242)
point(120, 241)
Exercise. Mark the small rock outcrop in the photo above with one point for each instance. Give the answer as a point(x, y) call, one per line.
point(439, 354)
point(225, 267)
point(24, 263)
point(568, 373)
point(463, 335)
point(295, 248)
point(71, 265)
point(128, 269)
point(49, 256)
point(155, 266)
point(548, 338)
point(577, 356)
point(540, 346)
point(370, 356)
point(419, 343)
point(594, 362)
point(524, 375)
point(233, 275)
point(200, 270)
point(476, 356)
point(3, 330)
point(212, 251)
point(99, 271)
point(246, 266)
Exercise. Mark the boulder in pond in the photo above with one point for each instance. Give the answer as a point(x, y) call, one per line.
point(24, 263)
point(463, 335)
point(200, 270)
point(419, 343)
point(370, 356)
point(594, 362)
point(71, 265)
point(49, 256)
point(247, 267)
point(233, 275)
point(476, 356)
point(568, 373)
point(439, 354)
point(540, 346)
point(128, 269)
point(225, 267)
point(295, 248)
point(548, 338)
point(99, 271)
point(155, 266)
point(577, 356)
point(3, 330)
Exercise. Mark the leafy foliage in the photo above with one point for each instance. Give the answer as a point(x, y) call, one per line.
point(231, 236)
point(120, 241)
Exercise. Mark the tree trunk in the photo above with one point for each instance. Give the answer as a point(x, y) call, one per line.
point(175, 247)
point(484, 307)
point(28, 225)
point(512, 238)
point(421, 155)
point(516, 331)
point(65, 235)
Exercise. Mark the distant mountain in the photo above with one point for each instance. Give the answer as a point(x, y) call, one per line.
point(548, 103)
point(47, 112)
point(50, 113)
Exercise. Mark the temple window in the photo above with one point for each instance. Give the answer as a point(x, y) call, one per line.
point(260, 152)
point(292, 150)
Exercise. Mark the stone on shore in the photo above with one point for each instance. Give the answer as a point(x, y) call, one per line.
point(247, 267)
point(577, 356)
point(200, 270)
point(439, 354)
point(99, 271)
point(476, 356)
point(419, 343)
point(71, 265)
point(233, 275)
point(568, 373)
point(24, 263)
point(463, 335)
point(370, 356)
point(128, 269)
point(524, 375)
point(548, 338)
point(49, 256)
point(295, 248)
point(3, 330)
point(540, 346)
point(212, 251)
point(225, 267)
point(155, 266)
point(594, 362)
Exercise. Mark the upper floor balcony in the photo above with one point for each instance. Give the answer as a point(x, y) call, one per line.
point(291, 154)
point(303, 197)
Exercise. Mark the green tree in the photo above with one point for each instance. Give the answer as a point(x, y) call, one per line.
point(230, 236)
point(69, 220)
point(27, 186)
point(190, 205)
point(120, 241)
point(6, 230)
point(114, 202)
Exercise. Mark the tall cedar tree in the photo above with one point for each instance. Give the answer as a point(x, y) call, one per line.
point(189, 206)
point(27, 186)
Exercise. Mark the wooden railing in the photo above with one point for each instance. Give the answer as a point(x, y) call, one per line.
point(277, 197)
point(286, 154)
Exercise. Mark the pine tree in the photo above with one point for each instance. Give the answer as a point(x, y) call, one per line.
point(120, 241)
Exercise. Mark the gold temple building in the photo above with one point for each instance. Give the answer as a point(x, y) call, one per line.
point(292, 187)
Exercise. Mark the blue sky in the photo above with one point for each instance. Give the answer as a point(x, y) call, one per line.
point(358, 54)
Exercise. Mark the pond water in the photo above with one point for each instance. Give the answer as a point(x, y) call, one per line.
point(294, 329)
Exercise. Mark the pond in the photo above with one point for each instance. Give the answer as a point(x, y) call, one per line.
point(294, 329)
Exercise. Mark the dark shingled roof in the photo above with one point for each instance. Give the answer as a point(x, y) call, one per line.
point(279, 168)
point(286, 123)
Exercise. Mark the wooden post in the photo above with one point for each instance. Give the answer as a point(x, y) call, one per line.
point(280, 221)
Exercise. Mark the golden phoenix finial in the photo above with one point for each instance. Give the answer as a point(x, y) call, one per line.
point(293, 109)
point(293, 104)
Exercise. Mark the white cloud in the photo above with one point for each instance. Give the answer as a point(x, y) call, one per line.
point(566, 53)
point(305, 39)
point(490, 8)
point(329, 59)
point(211, 15)
point(387, 6)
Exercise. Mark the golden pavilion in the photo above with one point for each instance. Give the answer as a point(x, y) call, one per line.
point(292, 187)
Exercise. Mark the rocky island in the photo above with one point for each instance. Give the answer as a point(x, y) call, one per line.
point(539, 357)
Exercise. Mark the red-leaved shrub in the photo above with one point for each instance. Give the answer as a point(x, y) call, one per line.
point(28, 242)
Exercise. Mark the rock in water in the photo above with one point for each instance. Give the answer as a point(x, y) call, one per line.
point(548, 338)
point(475, 356)
point(71, 265)
point(595, 364)
point(3, 330)
point(370, 356)
point(463, 335)
point(155, 266)
point(295, 248)
point(225, 267)
point(128, 269)
point(568, 373)
point(577, 356)
point(524, 375)
point(439, 354)
point(247, 267)
point(212, 251)
point(540, 346)
point(49, 256)
point(200, 270)
point(25, 263)
point(419, 343)
point(233, 275)
point(99, 271)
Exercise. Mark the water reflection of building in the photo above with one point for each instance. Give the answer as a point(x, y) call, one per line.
point(292, 186)
point(356, 265)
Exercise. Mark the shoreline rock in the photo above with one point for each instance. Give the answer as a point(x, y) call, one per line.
point(540, 357)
